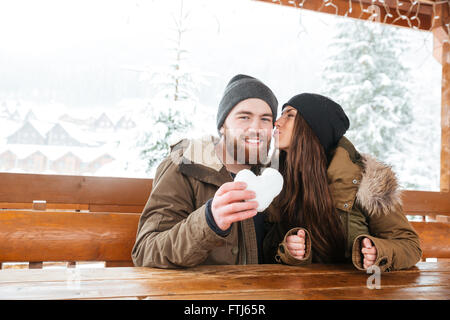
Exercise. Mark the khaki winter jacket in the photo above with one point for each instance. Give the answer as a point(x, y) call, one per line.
point(172, 230)
point(368, 201)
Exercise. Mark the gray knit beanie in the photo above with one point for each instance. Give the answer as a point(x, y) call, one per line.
point(243, 87)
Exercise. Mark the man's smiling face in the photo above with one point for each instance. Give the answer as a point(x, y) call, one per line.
point(247, 132)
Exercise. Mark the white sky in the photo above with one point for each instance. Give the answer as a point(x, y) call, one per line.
point(282, 46)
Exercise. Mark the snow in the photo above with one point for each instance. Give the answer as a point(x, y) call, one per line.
point(266, 186)
point(366, 59)
point(132, 58)
point(7, 128)
point(385, 80)
point(52, 153)
point(385, 97)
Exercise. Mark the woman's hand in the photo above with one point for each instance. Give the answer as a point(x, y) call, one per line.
point(296, 244)
point(369, 251)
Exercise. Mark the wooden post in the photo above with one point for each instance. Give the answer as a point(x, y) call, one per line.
point(445, 119)
point(35, 265)
point(40, 205)
point(115, 264)
point(442, 53)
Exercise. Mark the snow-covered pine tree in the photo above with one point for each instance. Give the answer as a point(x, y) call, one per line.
point(170, 124)
point(177, 82)
point(4, 112)
point(171, 110)
point(365, 73)
point(421, 169)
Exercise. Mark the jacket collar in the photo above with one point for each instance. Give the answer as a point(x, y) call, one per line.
point(197, 158)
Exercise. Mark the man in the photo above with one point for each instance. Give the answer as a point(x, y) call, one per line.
point(196, 214)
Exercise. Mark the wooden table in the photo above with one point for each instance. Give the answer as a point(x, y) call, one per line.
point(427, 280)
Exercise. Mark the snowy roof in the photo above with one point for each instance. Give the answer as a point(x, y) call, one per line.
point(43, 127)
point(81, 135)
point(8, 127)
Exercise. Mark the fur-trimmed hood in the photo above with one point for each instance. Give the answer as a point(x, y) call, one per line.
point(378, 191)
point(361, 179)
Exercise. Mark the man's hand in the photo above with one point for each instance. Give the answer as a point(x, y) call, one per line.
point(229, 204)
point(296, 244)
point(369, 251)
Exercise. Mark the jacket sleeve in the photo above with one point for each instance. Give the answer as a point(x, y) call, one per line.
point(397, 243)
point(284, 256)
point(172, 232)
point(275, 248)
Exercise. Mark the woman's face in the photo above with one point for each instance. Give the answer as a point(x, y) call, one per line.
point(284, 127)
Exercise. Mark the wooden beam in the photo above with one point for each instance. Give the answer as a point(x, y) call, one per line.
point(98, 194)
point(93, 191)
point(365, 11)
point(426, 203)
point(440, 35)
point(404, 6)
point(441, 52)
point(66, 236)
point(434, 240)
point(445, 119)
point(427, 1)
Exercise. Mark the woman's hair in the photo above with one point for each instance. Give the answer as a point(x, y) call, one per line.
point(306, 200)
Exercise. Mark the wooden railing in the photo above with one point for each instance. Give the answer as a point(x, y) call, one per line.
point(95, 219)
point(94, 194)
point(103, 194)
point(35, 237)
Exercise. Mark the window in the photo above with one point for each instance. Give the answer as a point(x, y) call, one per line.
point(87, 76)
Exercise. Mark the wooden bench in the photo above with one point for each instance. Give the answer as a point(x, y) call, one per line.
point(74, 193)
point(434, 229)
point(35, 237)
point(95, 219)
point(434, 239)
point(55, 218)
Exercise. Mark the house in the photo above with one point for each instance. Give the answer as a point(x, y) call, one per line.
point(68, 163)
point(103, 122)
point(7, 160)
point(27, 134)
point(4, 112)
point(69, 119)
point(99, 162)
point(53, 159)
point(15, 116)
point(58, 136)
point(36, 162)
point(125, 123)
point(30, 116)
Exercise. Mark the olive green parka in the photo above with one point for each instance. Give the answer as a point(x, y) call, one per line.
point(368, 201)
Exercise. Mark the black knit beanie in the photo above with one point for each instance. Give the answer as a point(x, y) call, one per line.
point(325, 117)
point(243, 87)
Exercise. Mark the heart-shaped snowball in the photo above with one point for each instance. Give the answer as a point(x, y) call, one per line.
point(266, 186)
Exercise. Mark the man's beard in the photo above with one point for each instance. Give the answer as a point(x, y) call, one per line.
point(239, 152)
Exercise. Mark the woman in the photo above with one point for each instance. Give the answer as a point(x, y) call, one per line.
point(336, 205)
